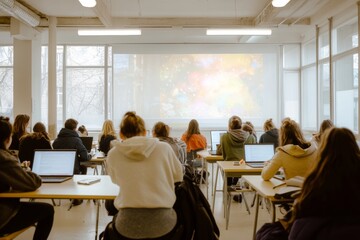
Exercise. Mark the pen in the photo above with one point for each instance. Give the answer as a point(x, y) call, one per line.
point(281, 184)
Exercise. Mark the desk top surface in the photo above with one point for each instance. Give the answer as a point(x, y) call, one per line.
point(228, 166)
point(104, 189)
point(264, 188)
point(210, 158)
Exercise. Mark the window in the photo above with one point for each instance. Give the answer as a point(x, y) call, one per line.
point(291, 95)
point(85, 74)
point(346, 92)
point(345, 37)
point(309, 96)
point(6, 81)
point(324, 96)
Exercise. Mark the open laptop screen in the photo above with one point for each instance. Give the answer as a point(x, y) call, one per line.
point(215, 136)
point(258, 152)
point(54, 162)
point(87, 141)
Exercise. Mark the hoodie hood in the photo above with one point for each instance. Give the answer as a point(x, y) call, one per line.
point(296, 151)
point(64, 132)
point(137, 148)
point(238, 136)
point(274, 133)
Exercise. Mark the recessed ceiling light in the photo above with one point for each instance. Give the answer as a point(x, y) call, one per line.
point(109, 32)
point(88, 3)
point(240, 31)
point(280, 3)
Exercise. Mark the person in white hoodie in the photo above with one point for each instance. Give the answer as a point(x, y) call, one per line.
point(295, 155)
point(146, 171)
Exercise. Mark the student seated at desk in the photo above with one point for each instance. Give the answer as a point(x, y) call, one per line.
point(195, 142)
point(295, 155)
point(328, 207)
point(14, 214)
point(39, 139)
point(106, 136)
point(232, 143)
point(146, 171)
point(162, 132)
point(19, 129)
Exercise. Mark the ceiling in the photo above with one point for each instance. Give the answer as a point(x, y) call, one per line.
point(185, 21)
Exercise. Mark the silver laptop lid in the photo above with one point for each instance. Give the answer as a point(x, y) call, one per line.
point(215, 136)
point(258, 152)
point(54, 162)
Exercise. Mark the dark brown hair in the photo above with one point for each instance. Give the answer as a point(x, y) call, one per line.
point(71, 124)
point(20, 123)
point(235, 122)
point(132, 125)
point(5, 133)
point(335, 174)
point(160, 129)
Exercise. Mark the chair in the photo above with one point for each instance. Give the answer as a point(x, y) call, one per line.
point(13, 235)
point(201, 169)
point(231, 192)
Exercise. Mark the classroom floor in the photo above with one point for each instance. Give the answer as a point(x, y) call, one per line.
point(78, 223)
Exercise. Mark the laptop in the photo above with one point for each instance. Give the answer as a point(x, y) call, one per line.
point(87, 141)
point(257, 154)
point(54, 165)
point(215, 136)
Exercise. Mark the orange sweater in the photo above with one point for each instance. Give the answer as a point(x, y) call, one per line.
point(196, 142)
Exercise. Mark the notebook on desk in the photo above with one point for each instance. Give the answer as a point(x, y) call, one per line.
point(54, 165)
point(87, 141)
point(257, 154)
point(215, 136)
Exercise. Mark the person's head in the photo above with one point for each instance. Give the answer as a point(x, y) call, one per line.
point(160, 129)
point(336, 172)
point(132, 125)
point(82, 129)
point(20, 124)
point(251, 125)
point(71, 124)
point(193, 128)
point(290, 133)
point(108, 128)
point(39, 127)
point(5, 134)
point(4, 118)
point(268, 125)
point(235, 122)
point(325, 125)
point(247, 128)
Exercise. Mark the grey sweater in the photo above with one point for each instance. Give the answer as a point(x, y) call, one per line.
point(13, 178)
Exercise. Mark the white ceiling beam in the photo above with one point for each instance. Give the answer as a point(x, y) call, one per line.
point(102, 11)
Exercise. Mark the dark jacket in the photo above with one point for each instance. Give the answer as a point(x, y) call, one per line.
point(13, 178)
point(271, 136)
point(31, 142)
point(193, 210)
point(69, 139)
point(319, 228)
point(104, 143)
point(15, 142)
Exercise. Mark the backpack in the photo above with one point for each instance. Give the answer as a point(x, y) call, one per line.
point(193, 210)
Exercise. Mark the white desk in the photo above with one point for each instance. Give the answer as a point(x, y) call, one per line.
point(228, 169)
point(212, 159)
point(103, 190)
point(266, 190)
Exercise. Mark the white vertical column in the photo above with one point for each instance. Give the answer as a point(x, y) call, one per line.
point(52, 107)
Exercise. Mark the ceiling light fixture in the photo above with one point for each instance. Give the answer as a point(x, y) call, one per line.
point(20, 12)
point(88, 3)
point(240, 31)
point(280, 3)
point(109, 32)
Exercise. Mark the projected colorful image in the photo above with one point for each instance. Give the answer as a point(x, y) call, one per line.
point(185, 86)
